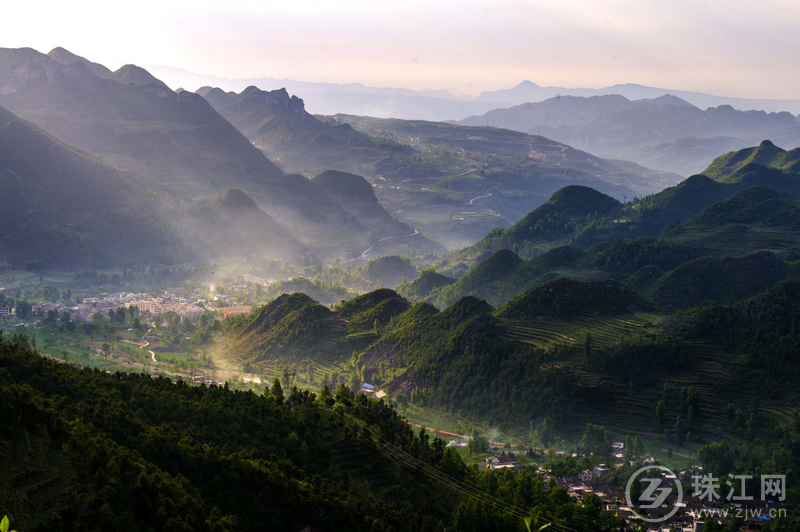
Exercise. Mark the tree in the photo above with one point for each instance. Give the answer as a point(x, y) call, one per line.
point(276, 391)
point(596, 440)
point(587, 343)
point(478, 443)
point(547, 435)
point(355, 382)
point(106, 349)
point(50, 293)
point(638, 447)
point(629, 449)
point(402, 401)
point(23, 309)
point(661, 415)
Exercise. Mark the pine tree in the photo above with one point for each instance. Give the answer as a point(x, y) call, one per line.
point(276, 391)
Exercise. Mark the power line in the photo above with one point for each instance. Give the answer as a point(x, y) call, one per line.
point(446, 479)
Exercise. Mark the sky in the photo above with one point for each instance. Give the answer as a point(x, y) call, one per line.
point(733, 48)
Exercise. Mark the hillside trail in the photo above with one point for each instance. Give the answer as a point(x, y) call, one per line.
point(479, 197)
point(146, 343)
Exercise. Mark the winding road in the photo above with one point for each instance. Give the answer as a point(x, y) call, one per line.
point(146, 343)
point(479, 197)
point(363, 255)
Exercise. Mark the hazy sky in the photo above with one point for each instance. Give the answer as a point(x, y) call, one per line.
point(732, 47)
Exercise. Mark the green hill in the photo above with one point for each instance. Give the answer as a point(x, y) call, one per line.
point(498, 284)
point(568, 219)
point(498, 278)
point(325, 293)
point(575, 351)
point(751, 205)
point(422, 286)
point(376, 308)
point(567, 209)
point(291, 324)
point(389, 271)
point(753, 219)
point(566, 298)
point(645, 279)
point(720, 279)
point(765, 154)
point(572, 214)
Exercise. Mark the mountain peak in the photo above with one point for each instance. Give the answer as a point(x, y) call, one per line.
point(345, 184)
point(65, 57)
point(136, 75)
point(669, 99)
point(233, 199)
point(527, 85)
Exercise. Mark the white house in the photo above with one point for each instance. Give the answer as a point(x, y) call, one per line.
point(601, 470)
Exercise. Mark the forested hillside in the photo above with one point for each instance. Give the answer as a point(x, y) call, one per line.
point(553, 351)
point(86, 450)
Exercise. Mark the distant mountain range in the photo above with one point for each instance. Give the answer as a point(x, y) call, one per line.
point(147, 129)
point(666, 133)
point(448, 181)
point(179, 145)
point(527, 91)
point(388, 102)
point(427, 171)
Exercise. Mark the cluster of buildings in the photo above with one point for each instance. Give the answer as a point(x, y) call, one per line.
point(170, 302)
point(501, 462)
point(685, 513)
point(157, 307)
point(224, 312)
point(201, 380)
point(91, 305)
point(369, 389)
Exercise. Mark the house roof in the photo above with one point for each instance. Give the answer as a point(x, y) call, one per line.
point(368, 386)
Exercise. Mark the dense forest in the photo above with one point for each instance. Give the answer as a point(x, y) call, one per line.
point(87, 450)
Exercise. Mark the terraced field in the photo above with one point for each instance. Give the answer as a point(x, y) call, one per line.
point(739, 241)
point(543, 332)
point(630, 407)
